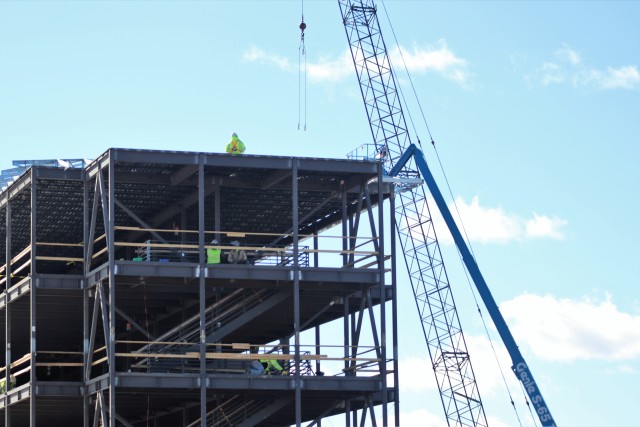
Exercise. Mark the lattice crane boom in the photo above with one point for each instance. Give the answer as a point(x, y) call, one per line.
point(427, 274)
point(437, 310)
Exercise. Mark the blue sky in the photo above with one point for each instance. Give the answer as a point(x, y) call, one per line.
point(534, 107)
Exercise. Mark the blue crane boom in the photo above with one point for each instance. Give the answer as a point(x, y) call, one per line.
point(520, 367)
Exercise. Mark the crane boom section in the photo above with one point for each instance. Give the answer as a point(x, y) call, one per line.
point(429, 281)
point(520, 367)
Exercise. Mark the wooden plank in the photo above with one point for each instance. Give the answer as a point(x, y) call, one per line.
point(60, 352)
point(100, 252)
point(373, 263)
point(263, 356)
point(58, 244)
point(20, 361)
point(58, 258)
point(59, 364)
point(161, 342)
point(20, 372)
point(22, 267)
point(188, 355)
point(364, 364)
point(241, 346)
point(338, 251)
point(235, 234)
point(21, 254)
point(99, 361)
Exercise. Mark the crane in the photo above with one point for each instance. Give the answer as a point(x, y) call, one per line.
point(520, 367)
point(429, 280)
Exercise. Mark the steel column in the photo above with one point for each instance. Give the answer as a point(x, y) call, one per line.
point(32, 301)
point(202, 295)
point(112, 290)
point(347, 402)
point(383, 299)
point(85, 299)
point(394, 305)
point(296, 291)
point(7, 325)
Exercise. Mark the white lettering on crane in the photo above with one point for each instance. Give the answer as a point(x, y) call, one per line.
point(522, 371)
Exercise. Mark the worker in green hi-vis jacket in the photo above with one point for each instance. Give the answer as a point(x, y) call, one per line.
point(213, 254)
point(235, 146)
point(272, 367)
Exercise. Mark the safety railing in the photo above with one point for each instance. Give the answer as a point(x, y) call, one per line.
point(179, 246)
point(69, 257)
point(240, 358)
point(49, 366)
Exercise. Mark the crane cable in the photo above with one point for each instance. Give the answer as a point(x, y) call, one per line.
point(302, 71)
point(473, 293)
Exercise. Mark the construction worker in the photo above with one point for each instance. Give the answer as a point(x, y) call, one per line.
point(236, 256)
point(3, 384)
point(235, 146)
point(272, 367)
point(213, 254)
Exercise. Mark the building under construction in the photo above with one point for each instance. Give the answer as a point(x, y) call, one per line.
point(115, 315)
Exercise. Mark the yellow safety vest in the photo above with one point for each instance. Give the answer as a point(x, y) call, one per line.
point(213, 255)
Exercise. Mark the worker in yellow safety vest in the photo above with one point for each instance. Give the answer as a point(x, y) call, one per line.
point(272, 367)
point(235, 146)
point(213, 254)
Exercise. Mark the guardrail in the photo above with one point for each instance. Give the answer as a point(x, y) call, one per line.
point(236, 358)
point(360, 252)
point(179, 246)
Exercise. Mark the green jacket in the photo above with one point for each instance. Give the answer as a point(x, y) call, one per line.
point(235, 146)
point(271, 364)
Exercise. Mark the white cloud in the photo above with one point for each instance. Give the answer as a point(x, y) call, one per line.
point(570, 68)
point(552, 73)
point(544, 226)
point(258, 55)
point(626, 369)
point(432, 58)
point(422, 418)
point(438, 58)
point(621, 78)
point(565, 329)
point(416, 374)
point(569, 55)
point(496, 422)
point(327, 69)
point(489, 224)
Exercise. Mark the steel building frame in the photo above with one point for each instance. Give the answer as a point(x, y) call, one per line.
point(113, 315)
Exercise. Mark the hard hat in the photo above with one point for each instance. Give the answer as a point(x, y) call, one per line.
point(235, 243)
point(234, 135)
point(214, 242)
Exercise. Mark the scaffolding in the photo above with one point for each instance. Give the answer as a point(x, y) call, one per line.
point(114, 317)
